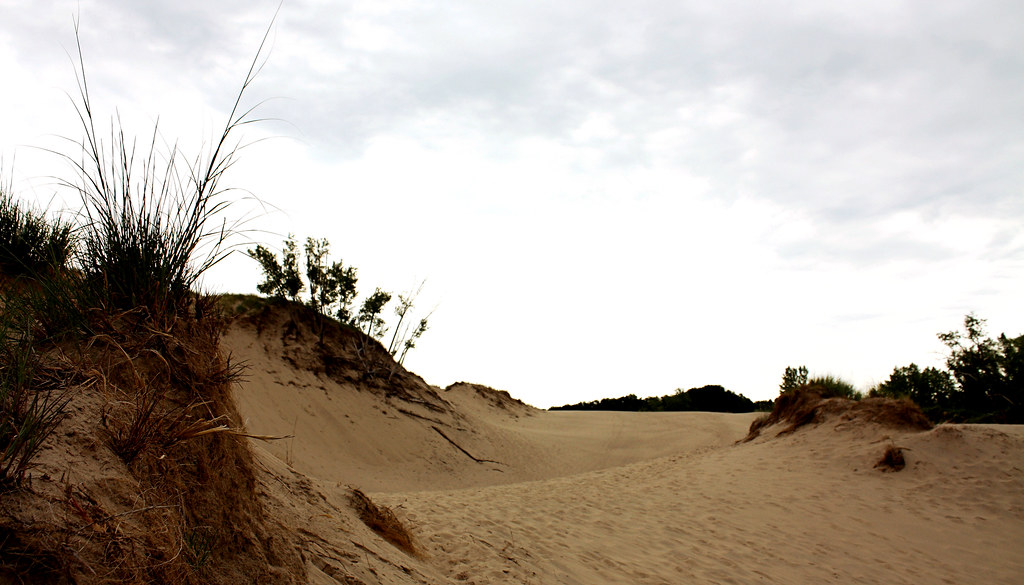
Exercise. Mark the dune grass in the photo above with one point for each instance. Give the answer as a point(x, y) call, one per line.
point(152, 222)
point(830, 386)
point(30, 243)
point(28, 413)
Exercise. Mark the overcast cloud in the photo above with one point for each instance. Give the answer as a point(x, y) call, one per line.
point(605, 197)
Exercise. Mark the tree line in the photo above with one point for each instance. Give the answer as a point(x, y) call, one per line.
point(711, 398)
point(983, 380)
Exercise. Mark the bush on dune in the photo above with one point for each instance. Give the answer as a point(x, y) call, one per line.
point(806, 405)
point(830, 386)
point(931, 388)
point(804, 400)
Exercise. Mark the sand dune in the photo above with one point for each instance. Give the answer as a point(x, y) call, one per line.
point(340, 430)
point(377, 477)
point(808, 508)
point(494, 491)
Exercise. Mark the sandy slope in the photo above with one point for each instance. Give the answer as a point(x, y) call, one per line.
point(622, 497)
point(808, 508)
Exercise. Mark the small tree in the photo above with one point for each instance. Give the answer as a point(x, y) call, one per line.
point(793, 378)
point(280, 279)
point(369, 313)
point(410, 342)
point(345, 279)
point(405, 305)
point(322, 292)
point(328, 285)
point(974, 362)
point(405, 302)
point(273, 275)
point(332, 291)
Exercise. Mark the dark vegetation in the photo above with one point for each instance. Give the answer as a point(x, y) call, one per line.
point(983, 380)
point(984, 383)
point(827, 385)
point(30, 242)
point(332, 294)
point(704, 399)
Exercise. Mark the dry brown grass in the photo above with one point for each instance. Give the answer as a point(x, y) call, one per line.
point(892, 459)
point(162, 490)
point(382, 520)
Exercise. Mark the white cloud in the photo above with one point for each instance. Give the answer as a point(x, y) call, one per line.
point(605, 198)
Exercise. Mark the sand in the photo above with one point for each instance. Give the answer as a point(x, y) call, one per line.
point(494, 491)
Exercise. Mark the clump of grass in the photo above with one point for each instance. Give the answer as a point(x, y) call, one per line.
point(151, 219)
point(830, 386)
point(31, 244)
point(28, 415)
point(807, 406)
point(151, 411)
point(35, 251)
point(892, 459)
point(199, 543)
point(382, 520)
point(143, 424)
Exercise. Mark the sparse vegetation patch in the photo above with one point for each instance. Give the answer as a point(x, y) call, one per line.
point(382, 520)
point(892, 459)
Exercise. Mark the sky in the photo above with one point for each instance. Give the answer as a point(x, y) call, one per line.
point(603, 198)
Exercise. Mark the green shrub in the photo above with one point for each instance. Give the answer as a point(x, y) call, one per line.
point(830, 386)
point(34, 256)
